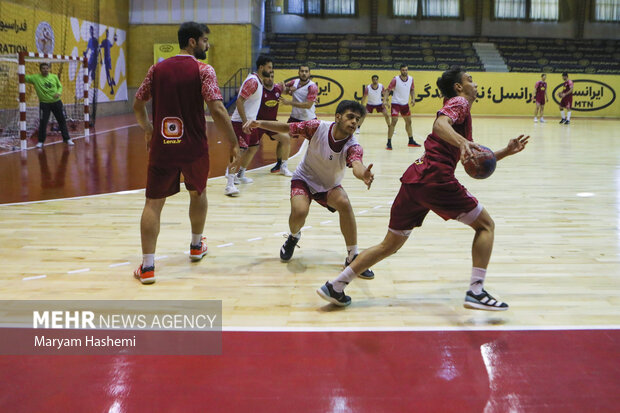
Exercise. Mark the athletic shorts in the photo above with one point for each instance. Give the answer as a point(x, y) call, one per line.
point(378, 108)
point(258, 133)
point(299, 187)
point(400, 109)
point(164, 181)
point(567, 102)
point(540, 101)
point(449, 200)
point(295, 120)
point(245, 139)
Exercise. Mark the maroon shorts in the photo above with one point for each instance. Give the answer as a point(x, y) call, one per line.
point(258, 133)
point(540, 101)
point(295, 120)
point(164, 181)
point(567, 102)
point(299, 187)
point(400, 110)
point(378, 108)
point(245, 139)
point(449, 200)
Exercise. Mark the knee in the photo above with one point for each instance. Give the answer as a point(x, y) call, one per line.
point(342, 204)
point(299, 214)
point(488, 224)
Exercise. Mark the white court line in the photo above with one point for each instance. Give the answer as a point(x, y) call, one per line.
point(363, 212)
point(119, 264)
point(78, 271)
point(255, 239)
point(279, 234)
point(326, 222)
point(225, 245)
point(377, 207)
point(306, 227)
point(35, 277)
point(161, 257)
point(343, 329)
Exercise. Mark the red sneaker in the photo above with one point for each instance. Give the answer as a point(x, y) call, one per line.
point(196, 252)
point(145, 275)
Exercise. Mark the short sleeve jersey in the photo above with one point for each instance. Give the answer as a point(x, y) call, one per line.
point(567, 86)
point(179, 86)
point(540, 87)
point(440, 158)
point(269, 103)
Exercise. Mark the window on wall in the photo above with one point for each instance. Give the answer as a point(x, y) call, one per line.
point(607, 10)
point(544, 9)
point(405, 8)
point(441, 8)
point(510, 9)
point(321, 7)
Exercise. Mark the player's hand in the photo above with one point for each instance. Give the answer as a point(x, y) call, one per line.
point(467, 149)
point(56, 95)
point(253, 124)
point(233, 157)
point(368, 176)
point(517, 144)
point(292, 89)
point(412, 103)
point(285, 101)
point(246, 127)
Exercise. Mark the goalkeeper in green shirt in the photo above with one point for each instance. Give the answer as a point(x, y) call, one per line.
point(48, 88)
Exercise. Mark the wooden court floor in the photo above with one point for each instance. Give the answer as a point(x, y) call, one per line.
point(556, 259)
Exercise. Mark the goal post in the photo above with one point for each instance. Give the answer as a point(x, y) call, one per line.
point(19, 113)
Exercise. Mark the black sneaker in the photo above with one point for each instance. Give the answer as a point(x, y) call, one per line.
point(413, 143)
point(367, 274)
point(483, 301)
point(286, 252)
point(327, 293)
point(563, 121)
point(389, 145)
point(276, 168)
point(567, 122)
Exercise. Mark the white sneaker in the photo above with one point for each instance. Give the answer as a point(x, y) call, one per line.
point(236, 181)
point(231, 190)
point(70, 142)
point(245, 180)
point(284, 171)
point(542, 120)
point(39, 144)
point(536, 120)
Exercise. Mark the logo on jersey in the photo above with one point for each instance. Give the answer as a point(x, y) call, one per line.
point(172, 129)
point(271, 103)
point(330, 91)
point(588, 95)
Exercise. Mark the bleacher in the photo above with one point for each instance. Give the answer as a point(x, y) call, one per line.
point(359, 51)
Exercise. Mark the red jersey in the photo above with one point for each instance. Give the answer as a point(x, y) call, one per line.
point(568, 85)
point(540, 87)
point(269, 103)
point(179, 86)
point(440, 158)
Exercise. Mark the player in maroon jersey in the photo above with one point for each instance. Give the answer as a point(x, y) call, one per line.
point(567, 99)
point(540, 98)
point(429, 184)
point(177, 139)
point(269, 111)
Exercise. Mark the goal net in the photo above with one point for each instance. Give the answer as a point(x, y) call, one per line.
point(19, 105)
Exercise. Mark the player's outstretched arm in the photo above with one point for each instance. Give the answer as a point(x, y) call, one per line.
point(223, 125)
point(271, 125)
point(363, 173)
point(515, 145)
point(443, 129)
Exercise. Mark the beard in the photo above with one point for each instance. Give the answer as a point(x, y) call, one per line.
point(265, 73)
point(200, 54)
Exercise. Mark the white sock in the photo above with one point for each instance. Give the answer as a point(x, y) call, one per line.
point(196, 238)
point(241, 172)
point(476, 283)
point(568, 116)
point(352, 250)
point(563, 115)
point(541, 118)
point(230, 179)
point(284, 164)
point(345, 277)
point(148, 260)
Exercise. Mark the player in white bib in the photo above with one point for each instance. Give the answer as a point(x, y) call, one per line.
point(373, 100)
point(331, 149)
point(403, 89)
point(247, 106)
point(304, 93)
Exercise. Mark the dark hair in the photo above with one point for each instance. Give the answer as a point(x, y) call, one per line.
point(565, 74)
point(373, 76)
point(190, 30)
point(352, 105)
point(404, 65)
point(43, 64)
point(262, 60)
point(304, 65)
point(448, 79)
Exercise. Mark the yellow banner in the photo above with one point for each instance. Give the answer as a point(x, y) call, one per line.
point(162, 51)
point(498, 93)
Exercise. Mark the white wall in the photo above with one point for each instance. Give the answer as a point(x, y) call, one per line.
point(178, 11)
